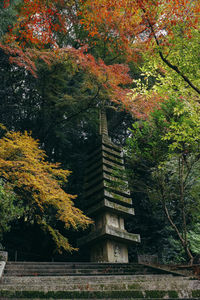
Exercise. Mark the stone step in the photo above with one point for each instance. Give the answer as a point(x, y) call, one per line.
point(92, 279)
point(55, 267)
point(59, 280)
point(102, 285)
point(54, 285)
point(86, 287)
point(92, 271)
point(119, 294)
point(64, 273)
point(64, 268)
point(77, 265)
point(69, 269)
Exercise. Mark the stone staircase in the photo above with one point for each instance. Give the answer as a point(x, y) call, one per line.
point(77, 269)
point(31, 280)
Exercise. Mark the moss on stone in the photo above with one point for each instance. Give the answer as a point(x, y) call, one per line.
point(155, 294)
point(72, 294)
point(196, 294)
point(134, 286)
point(173, 294)
point(101, 294)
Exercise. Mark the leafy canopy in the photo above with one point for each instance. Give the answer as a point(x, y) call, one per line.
point(38, 184)
point(164, 153)
point(161, 34)
point(36, 36)
point(161, 29)
point(158, 83)
point(9, 208)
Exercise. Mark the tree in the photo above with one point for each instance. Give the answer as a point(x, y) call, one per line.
point(8, 15)
point(38, 184)
point(153, 27)
point(158, 83)
point(164, 154)
point(34, 36)
point(9, 208)
point(85, 45)
point(144, 24)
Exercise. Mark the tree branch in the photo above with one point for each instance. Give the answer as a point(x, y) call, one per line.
point(176, 69)
point(183, 241)
point(168, 63)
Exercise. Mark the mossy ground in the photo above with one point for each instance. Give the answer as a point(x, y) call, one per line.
point(133, 294)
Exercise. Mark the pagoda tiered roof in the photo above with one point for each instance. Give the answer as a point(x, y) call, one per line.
point(107, 198)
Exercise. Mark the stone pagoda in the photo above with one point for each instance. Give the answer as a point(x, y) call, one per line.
point(107, 201)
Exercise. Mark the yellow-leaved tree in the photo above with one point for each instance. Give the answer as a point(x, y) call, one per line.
point(38, 183)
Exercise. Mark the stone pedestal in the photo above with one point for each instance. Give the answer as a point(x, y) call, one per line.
point(108, 202)
point(109, 251)
point(3, 256)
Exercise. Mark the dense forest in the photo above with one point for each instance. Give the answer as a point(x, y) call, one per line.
point(61, 61)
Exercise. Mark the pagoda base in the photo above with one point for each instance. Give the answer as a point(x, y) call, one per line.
point(109, 251)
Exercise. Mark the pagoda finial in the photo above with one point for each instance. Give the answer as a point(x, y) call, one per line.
point(103, 122)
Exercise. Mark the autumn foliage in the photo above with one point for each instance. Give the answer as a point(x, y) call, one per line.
point(139, 20)
point(38, 184)
point(137, 26)
point(36, 24)
point(127, 27)
point(6, 3)
point(33, 37)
